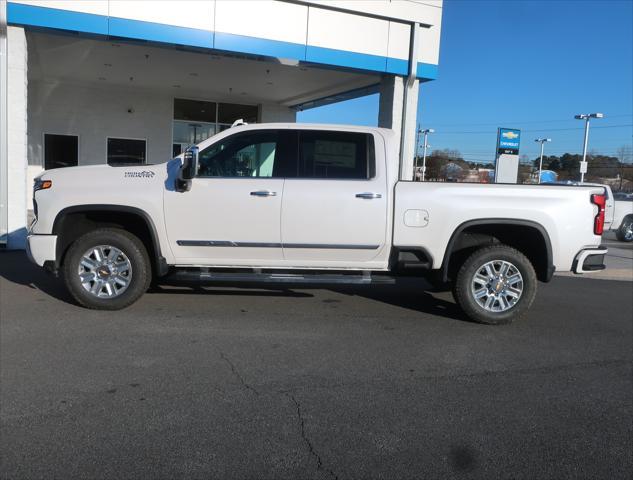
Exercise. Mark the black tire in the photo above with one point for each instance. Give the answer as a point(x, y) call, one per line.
point(130, 246)
point(624, 232)
point(463, 291)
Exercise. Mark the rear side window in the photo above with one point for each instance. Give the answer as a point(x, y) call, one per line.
point(336, 155)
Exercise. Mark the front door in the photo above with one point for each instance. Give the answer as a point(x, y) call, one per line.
point(334, 214)
point(231, 214)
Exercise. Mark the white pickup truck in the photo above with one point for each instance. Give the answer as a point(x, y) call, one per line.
point(299, 203)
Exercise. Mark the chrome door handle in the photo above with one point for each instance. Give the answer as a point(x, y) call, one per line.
point(264, 193)
point(368, 195)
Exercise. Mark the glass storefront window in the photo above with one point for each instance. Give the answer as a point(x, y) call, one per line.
point(197, 120)
point(60, 151)
point(126, 151)
point(196, 110)
point(229, 112)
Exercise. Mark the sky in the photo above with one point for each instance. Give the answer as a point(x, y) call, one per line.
point(522, 64)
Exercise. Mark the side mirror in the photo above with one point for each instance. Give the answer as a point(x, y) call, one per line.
point(188, 170)
point(190, 163)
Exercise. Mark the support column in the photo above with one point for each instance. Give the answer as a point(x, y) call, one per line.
point(4, 171)
point(393, 112)
point(269, 113)
point(17, 136)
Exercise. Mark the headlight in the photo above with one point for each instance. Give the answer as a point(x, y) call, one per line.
point(40, 184)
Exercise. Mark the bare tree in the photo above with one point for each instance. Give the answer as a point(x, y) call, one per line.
point(625, 155)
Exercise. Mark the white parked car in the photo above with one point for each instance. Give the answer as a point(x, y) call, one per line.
point(297, 203)
point(623, 217)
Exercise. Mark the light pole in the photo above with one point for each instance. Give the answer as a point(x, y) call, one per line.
point(586, 117)
point(417, 151)
point(426, 145)
point(540, 163)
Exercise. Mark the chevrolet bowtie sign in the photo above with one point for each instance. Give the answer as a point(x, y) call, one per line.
point(508, 141)
point(507, 161)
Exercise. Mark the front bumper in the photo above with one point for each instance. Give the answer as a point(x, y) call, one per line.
point(41, 249)
point(590, 260)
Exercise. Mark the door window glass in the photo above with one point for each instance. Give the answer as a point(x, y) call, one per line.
point(248, 154)
point(337, 155)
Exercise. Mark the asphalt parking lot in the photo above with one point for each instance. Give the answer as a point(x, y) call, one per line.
point(619, 260)
point(390, 382)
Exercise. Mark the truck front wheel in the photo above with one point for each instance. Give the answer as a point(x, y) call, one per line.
point(107, 269)
point(495, 285)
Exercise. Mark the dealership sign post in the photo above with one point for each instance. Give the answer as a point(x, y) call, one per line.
point(507, 162)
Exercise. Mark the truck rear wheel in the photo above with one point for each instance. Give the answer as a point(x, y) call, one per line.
point(107, 269)
point(495, 285)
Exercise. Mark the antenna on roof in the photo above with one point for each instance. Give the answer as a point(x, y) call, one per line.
point(238, 122)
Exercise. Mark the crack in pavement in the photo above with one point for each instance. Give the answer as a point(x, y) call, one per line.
point(237, 374)
point(307, 440)
point(304, 436)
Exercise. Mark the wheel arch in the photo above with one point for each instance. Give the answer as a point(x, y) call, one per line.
point(73, 221)
point(476, 233)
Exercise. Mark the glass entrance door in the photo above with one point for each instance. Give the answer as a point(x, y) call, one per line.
point(191, 133)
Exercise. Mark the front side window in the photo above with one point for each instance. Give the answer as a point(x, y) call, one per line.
point(336, 155)
point(252, 154)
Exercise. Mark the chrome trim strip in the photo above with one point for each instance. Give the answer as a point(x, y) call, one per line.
point(331, 246)
point(225, 243)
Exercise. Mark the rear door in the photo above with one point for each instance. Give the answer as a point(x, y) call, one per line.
point(334, 213)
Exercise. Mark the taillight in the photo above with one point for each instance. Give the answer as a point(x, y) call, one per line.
point(598, 221)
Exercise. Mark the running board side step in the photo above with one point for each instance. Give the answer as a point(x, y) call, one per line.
point(202, 276)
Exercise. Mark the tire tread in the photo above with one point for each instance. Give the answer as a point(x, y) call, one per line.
point(141, 276)
point(461, 287)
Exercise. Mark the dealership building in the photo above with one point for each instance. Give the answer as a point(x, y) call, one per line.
point(125, 81)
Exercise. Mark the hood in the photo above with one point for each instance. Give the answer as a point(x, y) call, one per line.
point(97, 175)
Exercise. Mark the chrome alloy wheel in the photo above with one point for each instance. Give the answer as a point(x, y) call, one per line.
point(627, 230)
point(497, 286)
point(105, 271)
